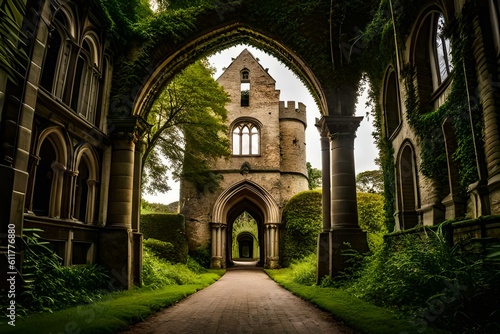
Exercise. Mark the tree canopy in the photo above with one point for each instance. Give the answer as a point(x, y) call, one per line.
point(371, 181)
point(313, 176)
point(187, 130)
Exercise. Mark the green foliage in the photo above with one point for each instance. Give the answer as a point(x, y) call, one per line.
point(358, 314)
point(163, 250)
point(304, 271)
point(188, 131)
point(202, 255)
point(455, 109)
point(421, 275)
point(168, 228)
point(113, 314)
point(13, 59)
point(371, 181)
point(371, 218)
point(245, 223)
point(158, 272)
point(314, 177)
point(148, 208)
point(51, 286)
point(302, 217)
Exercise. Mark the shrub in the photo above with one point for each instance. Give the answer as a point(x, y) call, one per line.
point(423, 276)
point(371, 216)
point(156, 272)
point(51, 286)
point(203, 256)
point(304, 271)
point(302, 217)
point(162, 249)
point(168, 228)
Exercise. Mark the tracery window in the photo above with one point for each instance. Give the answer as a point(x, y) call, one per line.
point(85, 89)
point(246, 139)
point(392, 109)
point(442, 50)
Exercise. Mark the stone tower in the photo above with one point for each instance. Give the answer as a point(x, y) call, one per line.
point(267, 166)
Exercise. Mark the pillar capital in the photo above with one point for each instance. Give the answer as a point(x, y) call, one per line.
point(337, 126)
point(127, 127)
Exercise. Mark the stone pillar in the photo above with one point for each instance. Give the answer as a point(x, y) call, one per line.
point(272, 259)
point(118, 244)
point(216, 260)
point(344, 209)
point(323, 251)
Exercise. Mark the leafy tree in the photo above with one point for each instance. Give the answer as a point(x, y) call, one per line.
point(188, 130)
point(371, 181)
point(371, 218)
point(314, 176)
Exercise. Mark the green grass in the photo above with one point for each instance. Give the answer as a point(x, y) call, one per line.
point(360, 315)
point(114, 313)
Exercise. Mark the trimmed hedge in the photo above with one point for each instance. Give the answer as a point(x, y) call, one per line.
point(170, 228)
point(302, 218)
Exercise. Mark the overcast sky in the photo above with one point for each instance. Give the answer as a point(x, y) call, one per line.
point(292, 89)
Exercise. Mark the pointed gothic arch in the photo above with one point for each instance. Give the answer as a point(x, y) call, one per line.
point(259, 203)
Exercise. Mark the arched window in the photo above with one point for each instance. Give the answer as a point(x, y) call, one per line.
point(245, 88)
point(81, 192)
point(246, 139)
point(408, 199)
point(49, 174)
point(85, 185)
point(56, 62)
point(44, 179)
point(86, 82)
point(442, 49)
point(392, 111)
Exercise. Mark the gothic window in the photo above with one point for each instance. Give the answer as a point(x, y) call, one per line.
point(44, 178)
point(392, 111)
point(85, 89)
point(407, 188)
point(57, 57)
point(442, 50)
point(246, 139)
point(85, 185)
point(245, 88)
point(49, 174)
point(81, 192)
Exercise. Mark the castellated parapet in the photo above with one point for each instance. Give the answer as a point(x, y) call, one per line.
point(290, 112)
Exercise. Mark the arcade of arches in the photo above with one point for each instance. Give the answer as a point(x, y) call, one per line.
point(71, 126)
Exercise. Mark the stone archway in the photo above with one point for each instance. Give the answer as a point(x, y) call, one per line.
point(259, 203)
point(335, 95)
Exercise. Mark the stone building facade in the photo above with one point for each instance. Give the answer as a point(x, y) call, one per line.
point(70, 150)
point(266, 168)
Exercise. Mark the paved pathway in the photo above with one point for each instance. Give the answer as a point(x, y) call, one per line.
point(244, 300)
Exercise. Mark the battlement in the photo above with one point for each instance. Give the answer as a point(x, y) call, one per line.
point(291, 112)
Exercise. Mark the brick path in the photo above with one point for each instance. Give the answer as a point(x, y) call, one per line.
point(244, 300)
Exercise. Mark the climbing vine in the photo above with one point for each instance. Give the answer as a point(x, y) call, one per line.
point(383, 37)
point(461, 108)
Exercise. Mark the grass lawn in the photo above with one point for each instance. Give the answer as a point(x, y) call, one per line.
point(358, 314)
point(115, 312)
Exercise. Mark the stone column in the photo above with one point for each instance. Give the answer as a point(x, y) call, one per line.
point(118, 246)
point(272, 259)
point(216, 260)
point(344, 209)
point(323, 251)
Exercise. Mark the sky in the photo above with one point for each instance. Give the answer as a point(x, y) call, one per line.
point(292, 89)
